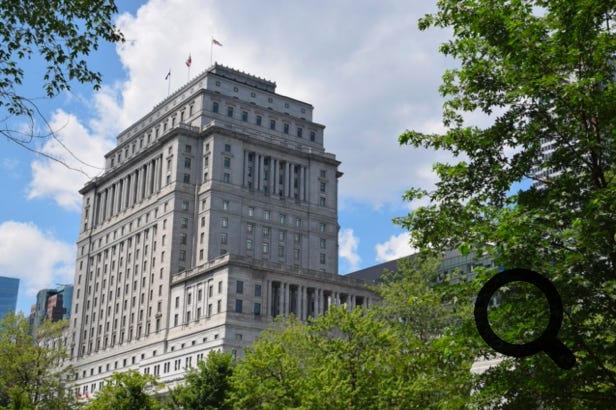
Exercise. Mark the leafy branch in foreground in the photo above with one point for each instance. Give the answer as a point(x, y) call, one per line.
point(544, 72)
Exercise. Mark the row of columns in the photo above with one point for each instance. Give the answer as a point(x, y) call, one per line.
point(305, 301)
point(125, 192)
point(278, 176)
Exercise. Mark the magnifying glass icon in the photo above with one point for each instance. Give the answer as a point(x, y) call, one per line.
point(547, 342)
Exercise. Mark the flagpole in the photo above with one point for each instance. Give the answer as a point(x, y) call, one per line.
point(169, 84)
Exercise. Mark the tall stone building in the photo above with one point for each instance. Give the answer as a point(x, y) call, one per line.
point(217, 211)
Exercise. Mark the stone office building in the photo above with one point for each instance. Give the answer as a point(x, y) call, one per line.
point(217, 211)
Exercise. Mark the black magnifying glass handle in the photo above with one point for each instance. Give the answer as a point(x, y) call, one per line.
point(560, 353)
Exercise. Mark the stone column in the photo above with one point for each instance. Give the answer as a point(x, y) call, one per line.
point(287, 179)
point(302, 184)
point(302, 303)
point(274, 184)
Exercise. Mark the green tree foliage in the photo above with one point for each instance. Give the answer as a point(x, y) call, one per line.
point(388, 357)
point(539, 71)
point(129, 390)
point(62, 32)
point(31, 373)
point(58, 35)
point(206, 386)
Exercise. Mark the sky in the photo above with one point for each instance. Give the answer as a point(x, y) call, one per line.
point(363, 64)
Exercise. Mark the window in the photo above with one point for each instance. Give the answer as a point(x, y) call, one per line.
point(244, 115)
point(265, 247)
point(272, 124)
point(312, 135)
point(282, 235)
point(229, 111)
point(227, 162)
point(296, 253)
point(321, 201)
point(224, 221)
point(267, 215)
point(184, 205)
point(298, 222)
point(238, 305)
point(297, 237)
point(285, 128)
point(283, 219)
point(266, 231)
point(322, 258)
point(239, 287)
point(225, 205)
point(300, 132)
point(184, 223)
point(322, 243)
point(281, 251)
point(183, 238)
point(322, 186)
point(186, 162)
point(322, 227)
point(249, 227)
point(188, 148)
point(258, 290)
point(226, 177)
point(257, 309)
point(223, 238)
point(182, 255)
point(322, 173)
point(227, 148)
point(187, 178)
point(251, 211)
point(258, 120)
point(215, 107)
point(249, 244)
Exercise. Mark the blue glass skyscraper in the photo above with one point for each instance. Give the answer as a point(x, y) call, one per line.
point(8, 295)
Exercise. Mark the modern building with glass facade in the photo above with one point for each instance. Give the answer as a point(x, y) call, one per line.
point(9, 287)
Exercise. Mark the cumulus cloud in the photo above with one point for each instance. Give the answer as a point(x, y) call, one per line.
point(37, 258)
point(368, 71)
point(347, 248)
point(79, 154)
point(395, 247)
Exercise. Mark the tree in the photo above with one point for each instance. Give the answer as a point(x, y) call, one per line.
point(392, 356)
point(543, 74)
point(205, 387)
point(60, 32)
point(129, 390)
point(31, 373)
point(270, 375)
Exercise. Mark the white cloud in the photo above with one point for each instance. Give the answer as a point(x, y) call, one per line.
point(76, 148)
point(35, 257)
point(395, 247)
point(368, 71)
point(347, 248)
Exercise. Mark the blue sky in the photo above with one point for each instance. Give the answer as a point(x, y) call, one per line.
point(363, 65)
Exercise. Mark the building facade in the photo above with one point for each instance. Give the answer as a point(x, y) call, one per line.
point(51, 304)
point(217, 212)
point(9, 287)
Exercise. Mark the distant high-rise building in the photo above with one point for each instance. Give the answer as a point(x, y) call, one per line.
point(51, 304)
point(217, 211)
point(9, 287)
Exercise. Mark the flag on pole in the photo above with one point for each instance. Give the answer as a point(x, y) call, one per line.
point(188, 61)
point(216, 42)
point(168, 75)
